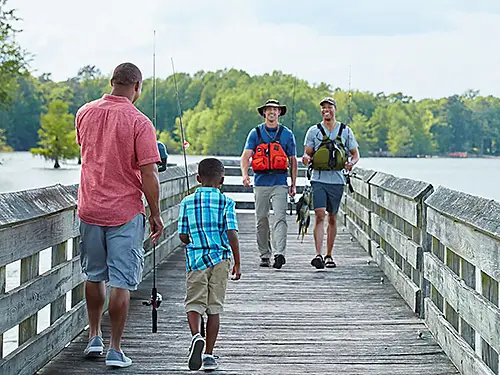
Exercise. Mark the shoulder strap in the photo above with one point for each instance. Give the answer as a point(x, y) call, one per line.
point(339, 135)
point(321, 129)
point(278, 133)
point(259, 135)
point(342, 127)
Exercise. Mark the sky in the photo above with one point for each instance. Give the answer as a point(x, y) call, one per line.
point(425, 48)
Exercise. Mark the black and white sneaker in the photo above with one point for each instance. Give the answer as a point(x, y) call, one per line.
point(196, 351)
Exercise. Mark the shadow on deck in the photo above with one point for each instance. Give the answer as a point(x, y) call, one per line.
point(297, 320)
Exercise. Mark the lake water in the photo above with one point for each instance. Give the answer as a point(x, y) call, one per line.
point(21, 171)
point(481, 177)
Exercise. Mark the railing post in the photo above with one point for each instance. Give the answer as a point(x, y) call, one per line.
point(29, 270)
point(58, 307)
point(2, 291)
point(76, 292)
point(426, 244)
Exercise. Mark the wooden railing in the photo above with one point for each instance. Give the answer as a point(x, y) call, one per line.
point(441, 251)
point(463, 270)
point(439, 248)
point(36, 220)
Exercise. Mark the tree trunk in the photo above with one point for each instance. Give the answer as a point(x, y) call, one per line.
point(56, 164)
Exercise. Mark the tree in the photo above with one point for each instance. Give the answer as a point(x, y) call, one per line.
point(4, 147)
point(458, 117)
point(13, 59)
point(57, 134)
point(21, 119)
point(364, 133)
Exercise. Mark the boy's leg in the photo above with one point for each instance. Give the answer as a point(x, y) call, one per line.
point(195, 304)
point(194, 321)
point(213, 324)
point(217, 294)
point(262, 196)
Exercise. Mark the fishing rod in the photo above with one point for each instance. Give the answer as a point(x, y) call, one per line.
point(156, 297)
point(185, 144)
point(292, 199)
point(349, 120)
point(349, 99)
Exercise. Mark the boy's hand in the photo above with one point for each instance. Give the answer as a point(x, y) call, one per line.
point(236, 272)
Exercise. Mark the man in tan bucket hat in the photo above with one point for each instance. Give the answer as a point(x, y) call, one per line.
point(270, 150)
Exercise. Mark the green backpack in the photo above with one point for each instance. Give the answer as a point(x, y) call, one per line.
point(331, 154)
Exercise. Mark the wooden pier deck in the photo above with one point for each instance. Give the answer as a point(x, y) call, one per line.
point(297, 320)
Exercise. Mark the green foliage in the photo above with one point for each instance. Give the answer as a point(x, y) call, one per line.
point(21, 120)
point(12, 57)
point(219, 109)
point(4, 147)
point(57, 134)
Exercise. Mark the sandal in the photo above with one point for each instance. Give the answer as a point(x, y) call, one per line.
point(329, 263)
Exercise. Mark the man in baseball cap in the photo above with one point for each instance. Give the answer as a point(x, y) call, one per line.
point(328, 185)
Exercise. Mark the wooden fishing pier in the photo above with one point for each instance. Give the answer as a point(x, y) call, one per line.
point(415, 290)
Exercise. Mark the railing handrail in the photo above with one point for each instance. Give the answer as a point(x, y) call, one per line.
point(51, 213)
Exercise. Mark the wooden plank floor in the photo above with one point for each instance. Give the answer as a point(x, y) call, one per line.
point(297, 320)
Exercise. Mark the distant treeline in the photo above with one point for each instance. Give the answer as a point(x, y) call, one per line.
point(220, 108)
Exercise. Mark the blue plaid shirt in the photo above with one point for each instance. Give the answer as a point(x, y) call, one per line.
point(206, 216)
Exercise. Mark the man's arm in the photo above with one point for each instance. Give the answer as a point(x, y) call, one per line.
point(151, 189)
point(244, 165)
point(353, 159)
point(308, 153)
point(232, 235)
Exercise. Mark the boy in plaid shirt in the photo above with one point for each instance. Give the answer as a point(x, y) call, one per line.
point(208, 226)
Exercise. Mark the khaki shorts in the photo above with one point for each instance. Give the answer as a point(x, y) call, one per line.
point(206, 289)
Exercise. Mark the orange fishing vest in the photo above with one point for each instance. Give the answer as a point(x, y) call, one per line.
point(270, 157)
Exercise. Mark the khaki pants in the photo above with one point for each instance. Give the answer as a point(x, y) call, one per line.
point(278, 196)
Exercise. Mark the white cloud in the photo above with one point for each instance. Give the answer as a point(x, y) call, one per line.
point(210, 35)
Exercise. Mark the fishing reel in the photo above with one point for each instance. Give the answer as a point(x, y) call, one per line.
point(159, 299)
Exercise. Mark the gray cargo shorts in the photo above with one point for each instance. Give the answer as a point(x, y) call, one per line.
point(327, 196)
point(113, 254)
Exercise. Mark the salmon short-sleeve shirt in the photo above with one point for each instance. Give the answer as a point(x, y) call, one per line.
point(116, 139)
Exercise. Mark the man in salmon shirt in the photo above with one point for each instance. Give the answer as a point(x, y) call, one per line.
point(119, 156)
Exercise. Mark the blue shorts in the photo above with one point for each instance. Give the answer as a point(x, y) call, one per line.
point(113, 254)
point(327, 196)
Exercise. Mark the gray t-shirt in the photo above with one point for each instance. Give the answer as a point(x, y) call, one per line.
point(313, 139)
